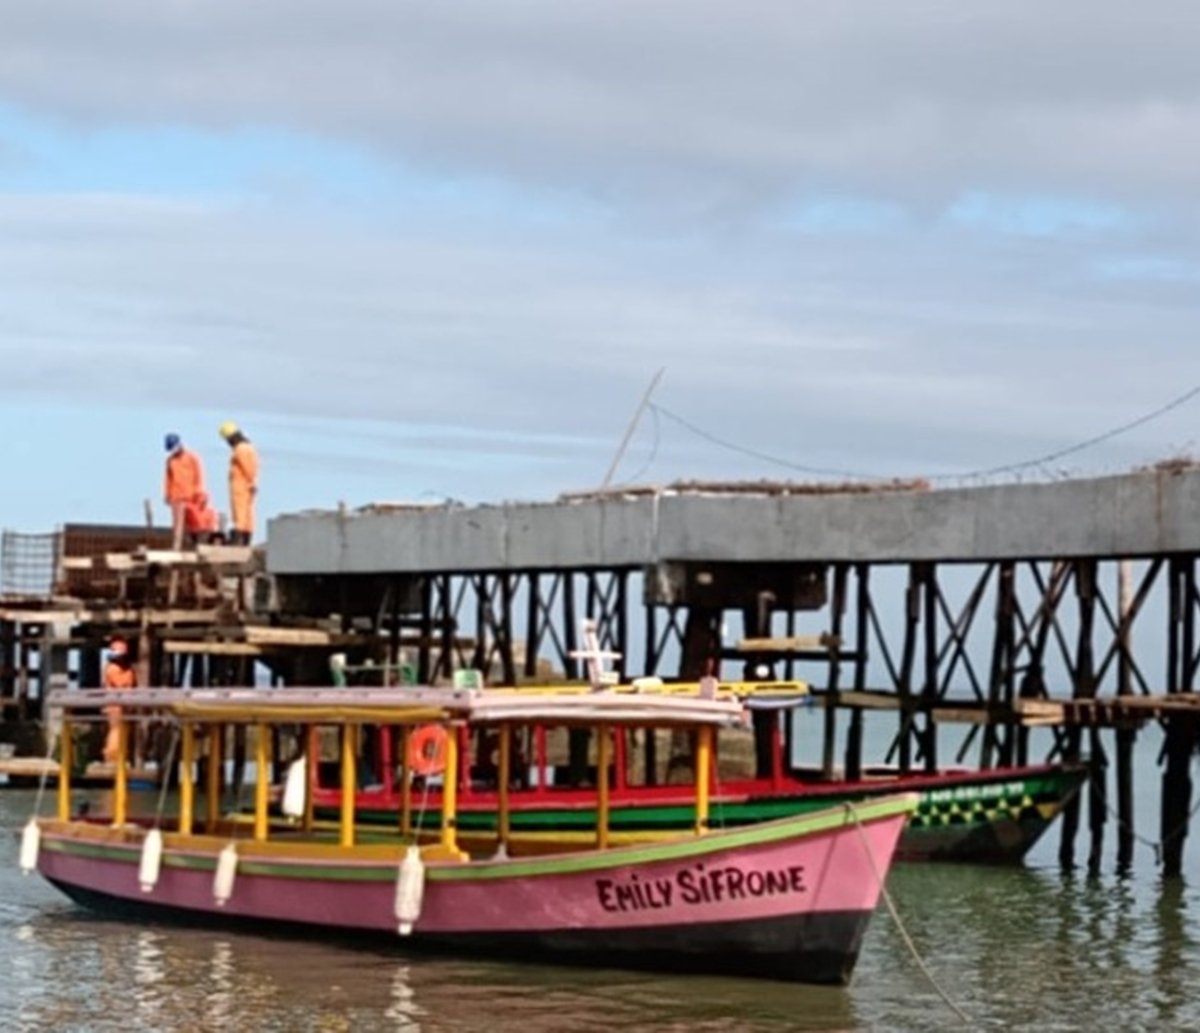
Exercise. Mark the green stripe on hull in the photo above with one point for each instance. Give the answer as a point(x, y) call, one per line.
point(970, 805)
point(752, 835)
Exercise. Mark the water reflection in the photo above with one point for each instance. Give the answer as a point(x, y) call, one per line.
point(89, 973)
point(1173, 951)
point(149, 973)
point(220, 974)
point(403, 1012)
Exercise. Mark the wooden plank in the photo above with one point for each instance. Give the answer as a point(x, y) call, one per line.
point(194, 647)
point(82, 614)
point(177, 616)
point(222, 555)
point(169, 557)
point(99, 771)
point(788, 643)
point(965, 715)
point(115, 615)
point(1039, 708)
point(866, 699)
point(226, 556)
point(264, 635)
point(29, 767)
point(77, 562)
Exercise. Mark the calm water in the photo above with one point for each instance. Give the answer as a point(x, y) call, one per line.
point(1016, 949)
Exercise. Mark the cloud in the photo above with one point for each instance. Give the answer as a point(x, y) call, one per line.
point(883, 237)
point(791, 343)
point(699, 106)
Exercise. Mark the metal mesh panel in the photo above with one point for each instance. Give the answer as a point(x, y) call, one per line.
point(28, 564)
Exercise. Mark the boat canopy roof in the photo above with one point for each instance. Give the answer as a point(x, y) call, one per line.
point(410, 705)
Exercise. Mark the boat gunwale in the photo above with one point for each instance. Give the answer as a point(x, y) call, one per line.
point(384, 857)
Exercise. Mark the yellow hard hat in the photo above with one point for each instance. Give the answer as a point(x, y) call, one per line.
point(228, 429)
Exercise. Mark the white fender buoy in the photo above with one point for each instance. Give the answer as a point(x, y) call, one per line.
point(295, 789)
point(227, 862)
point(31, 843)
point(410, 890)
point(151, 862)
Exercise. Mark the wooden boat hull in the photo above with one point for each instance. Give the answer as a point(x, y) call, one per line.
point(784, 900)
point(990, 817)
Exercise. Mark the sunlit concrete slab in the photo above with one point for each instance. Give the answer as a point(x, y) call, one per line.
point(1130, 515)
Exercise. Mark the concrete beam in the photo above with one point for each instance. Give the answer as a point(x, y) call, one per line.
point(1138, 514)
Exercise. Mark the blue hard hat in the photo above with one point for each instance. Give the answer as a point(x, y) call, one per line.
point(171, 442)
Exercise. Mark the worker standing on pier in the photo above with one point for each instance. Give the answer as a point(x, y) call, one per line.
point(118, 676)
point(243, 483)
point(184, 480)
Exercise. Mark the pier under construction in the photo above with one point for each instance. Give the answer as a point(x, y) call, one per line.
point(1043, 621)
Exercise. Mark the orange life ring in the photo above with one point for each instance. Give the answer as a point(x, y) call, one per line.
point(427, 750)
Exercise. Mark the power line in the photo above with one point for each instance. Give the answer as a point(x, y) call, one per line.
point(1026, 464)
point(1162, 410)
point(755, 453)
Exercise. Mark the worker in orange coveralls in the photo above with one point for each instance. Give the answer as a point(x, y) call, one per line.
point(184, 480)
point(118, 676)
point(201, 521)
point(243, 483)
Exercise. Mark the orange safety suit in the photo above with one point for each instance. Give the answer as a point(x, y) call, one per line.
point(117, 677)
point(184, 478)
point(199, 518)
point(243, 486)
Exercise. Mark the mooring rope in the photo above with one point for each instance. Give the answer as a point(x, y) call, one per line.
point(164, 777)
point(52, 742)
point(1157, 845)
point(908, 940)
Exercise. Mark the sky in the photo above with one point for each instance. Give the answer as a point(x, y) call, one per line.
point(425, 251)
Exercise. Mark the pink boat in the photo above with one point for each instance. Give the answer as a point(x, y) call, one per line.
point(784, 900)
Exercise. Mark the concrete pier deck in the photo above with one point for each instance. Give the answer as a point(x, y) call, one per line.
point(1148, 513)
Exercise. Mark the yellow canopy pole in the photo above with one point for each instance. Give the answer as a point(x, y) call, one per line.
point(503, 779)
point(405, 783)
point(312, 758)
point(704, 754)
point(349, 786)
point(262, 780)
point(212, 787)
point(65, 760)
point(187, 780)
point(121, 776)
point(450, 793)
point(603, 751)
